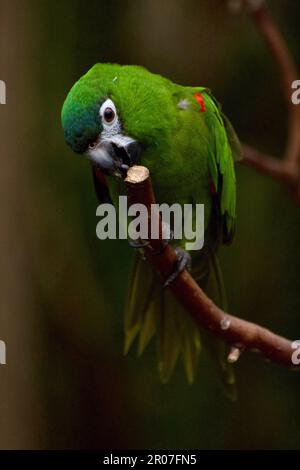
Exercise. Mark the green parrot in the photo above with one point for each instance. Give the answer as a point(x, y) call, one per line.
point(118, 116)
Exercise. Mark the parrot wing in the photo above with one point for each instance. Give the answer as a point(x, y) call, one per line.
point(224, 151)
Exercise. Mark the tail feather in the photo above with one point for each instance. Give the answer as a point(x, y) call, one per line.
point(191, 346)
point(168, 346)
point(218, 350)
point(152, 310)
point(138, 300)
point(177, 334)
point(152, 314)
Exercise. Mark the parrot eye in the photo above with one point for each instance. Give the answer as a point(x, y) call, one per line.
point(109, 115)
point(92, 145)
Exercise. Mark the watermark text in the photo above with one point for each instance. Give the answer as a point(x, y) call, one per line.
point(2, 92)
point(295, 97)
point(296, 353)
point(2, 352)
point(178, 222)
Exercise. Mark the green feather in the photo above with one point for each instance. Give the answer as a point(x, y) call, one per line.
point(138, 300)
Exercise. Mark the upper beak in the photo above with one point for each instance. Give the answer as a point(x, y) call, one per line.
point(115, 155)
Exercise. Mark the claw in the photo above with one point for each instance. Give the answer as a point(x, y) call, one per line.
point(143, 243)
point(138, 243)
point(166, 242)
point(183, 262)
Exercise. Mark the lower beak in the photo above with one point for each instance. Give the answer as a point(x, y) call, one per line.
point(114, 156)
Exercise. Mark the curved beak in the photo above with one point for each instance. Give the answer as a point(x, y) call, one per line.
point(115, 155)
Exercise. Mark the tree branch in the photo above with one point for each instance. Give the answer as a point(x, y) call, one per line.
point(286, 170)
point(240, 334)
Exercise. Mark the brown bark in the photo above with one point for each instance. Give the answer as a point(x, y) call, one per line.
point(287, 169)
point(240, 334)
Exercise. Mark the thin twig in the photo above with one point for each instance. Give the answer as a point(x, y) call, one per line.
point(234, 355)
point(233, 330)
point(287, 170)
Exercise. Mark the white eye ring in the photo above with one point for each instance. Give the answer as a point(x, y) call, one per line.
point(108, 113)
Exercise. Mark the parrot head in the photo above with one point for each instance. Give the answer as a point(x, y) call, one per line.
point(113, 112)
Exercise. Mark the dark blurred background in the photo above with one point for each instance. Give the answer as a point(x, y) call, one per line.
point(66, 383)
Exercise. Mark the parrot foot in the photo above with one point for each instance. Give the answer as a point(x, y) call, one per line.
point(168, 236)
point(183, 262)
point(165, 242)
point(139, 243)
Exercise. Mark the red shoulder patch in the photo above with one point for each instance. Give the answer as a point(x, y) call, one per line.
point(212, 187)
point(100, 176)
point(200, 99)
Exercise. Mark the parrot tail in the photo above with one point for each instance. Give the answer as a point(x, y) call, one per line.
point(152, 310)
